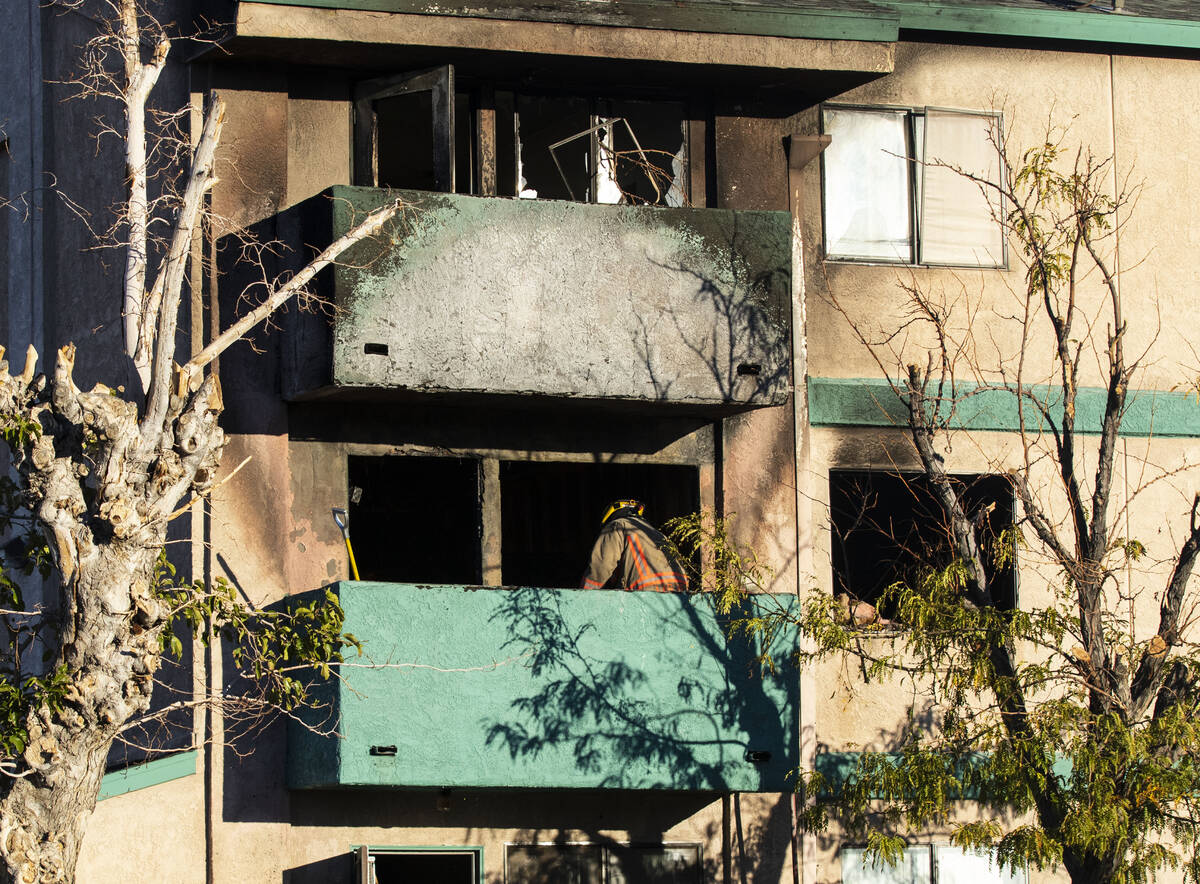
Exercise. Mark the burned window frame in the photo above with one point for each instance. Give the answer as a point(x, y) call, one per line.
point(980, 489)
point(439, 82)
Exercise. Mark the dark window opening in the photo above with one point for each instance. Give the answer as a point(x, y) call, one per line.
point(888, 528)
point(550, 512)
point(545, 121)
point(464, 144)
point(415, 519)
point(404, 147)
point(406, 130)
point(643, 155)
point(443, 867)
point(608, 864)
point(506, 144)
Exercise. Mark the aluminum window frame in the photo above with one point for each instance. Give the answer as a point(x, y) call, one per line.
point(916, 171)
point(934, 848)
point(363, 852)
point(604, 848)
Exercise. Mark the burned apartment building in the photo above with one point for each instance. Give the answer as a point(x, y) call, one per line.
point(622, 223)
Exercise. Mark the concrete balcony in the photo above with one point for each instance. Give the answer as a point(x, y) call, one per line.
point(546, 689)
point(538, 298)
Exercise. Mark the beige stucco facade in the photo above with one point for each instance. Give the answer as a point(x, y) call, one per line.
point(267, 530)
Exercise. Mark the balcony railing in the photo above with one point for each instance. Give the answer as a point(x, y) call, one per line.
point(463, 294)
point(546, 689)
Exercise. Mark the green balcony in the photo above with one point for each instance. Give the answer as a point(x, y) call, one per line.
point(540, 298)
point(469, 687)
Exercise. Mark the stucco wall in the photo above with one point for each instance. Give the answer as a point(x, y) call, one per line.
point(1117, 106)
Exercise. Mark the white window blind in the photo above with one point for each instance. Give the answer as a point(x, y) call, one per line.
point(867, 210)
point(913, 868)
point(959, 219)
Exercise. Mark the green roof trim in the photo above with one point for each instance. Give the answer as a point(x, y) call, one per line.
point(858, 21)
point(871, 402)
point(1048, 24)
point(149, 773)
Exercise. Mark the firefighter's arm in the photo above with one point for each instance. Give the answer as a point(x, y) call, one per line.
point(606, 555)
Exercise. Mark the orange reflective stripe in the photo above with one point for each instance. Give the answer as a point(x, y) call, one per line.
point(639, 561)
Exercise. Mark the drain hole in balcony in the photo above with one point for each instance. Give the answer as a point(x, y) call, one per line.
point(757, 756)
point(375, 349)
point(383, 750)
point(749, 368)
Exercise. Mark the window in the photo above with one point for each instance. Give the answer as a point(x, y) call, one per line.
point(887, 527)
point(608, 864)
point(928, 864)
point(891, 192)
point(415, 519)
point(550, 512)
point(387, 865)
point(425, 131)
point(601, 151)
point(406, 131)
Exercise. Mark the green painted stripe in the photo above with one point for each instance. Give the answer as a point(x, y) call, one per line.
point(1051, 24)
point(871, 402)
point(702, 16)
point(150, 773)
point(838, 768)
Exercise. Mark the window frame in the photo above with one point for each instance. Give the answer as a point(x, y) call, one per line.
point(439, 82)
point(934, 848)
point(604, 849)
point(363, 853)
point(915, 184)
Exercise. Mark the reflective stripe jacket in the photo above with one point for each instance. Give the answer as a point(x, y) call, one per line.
point(635, 547)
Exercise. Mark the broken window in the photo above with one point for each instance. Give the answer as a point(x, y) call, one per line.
point(892, 192)
point(607, 864)
point(416, 519)
point(421, 131)
point(888, 528)
point(550, 512)
point(928, 864)
point(564, 172)
point(600, 151)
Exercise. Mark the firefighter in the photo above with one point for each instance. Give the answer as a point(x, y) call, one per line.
point(635, 550)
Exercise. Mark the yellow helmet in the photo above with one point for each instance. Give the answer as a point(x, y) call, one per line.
point(618, 506)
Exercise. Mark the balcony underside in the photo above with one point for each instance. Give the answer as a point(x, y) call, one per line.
point(783, 58)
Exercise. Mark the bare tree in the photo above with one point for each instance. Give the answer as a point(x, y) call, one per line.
point(99, 474)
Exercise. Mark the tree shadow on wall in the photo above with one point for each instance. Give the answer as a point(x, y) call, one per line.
point(681, 706)
point(736, 328)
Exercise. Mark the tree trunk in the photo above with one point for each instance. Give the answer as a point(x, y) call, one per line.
point(112, 658)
